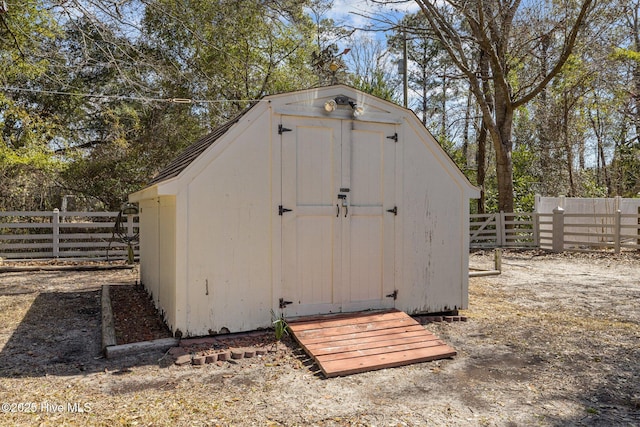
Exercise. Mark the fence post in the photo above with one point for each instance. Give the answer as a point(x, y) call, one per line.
point(536, 229)
point(55, 221)
point(503, 224)
point(616, 231)
point(558, 230)
point(638, 229)
point(499, 226)
point(130, 225)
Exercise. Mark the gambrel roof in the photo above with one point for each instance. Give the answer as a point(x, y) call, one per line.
point(303, 103)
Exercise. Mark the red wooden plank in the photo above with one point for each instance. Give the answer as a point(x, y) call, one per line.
point(379, 336)
point(364, 334)
point(362, 317)
point(353, 346)
point(351, 328)
point(382, 361)
point(360, 342)
point(336, 316)
point(379, 350)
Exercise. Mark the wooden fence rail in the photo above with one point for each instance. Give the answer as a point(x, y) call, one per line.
point(91, 235)
point(558, 231)
point(67, 235)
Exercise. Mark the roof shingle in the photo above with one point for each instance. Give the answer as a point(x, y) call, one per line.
point(186, 157)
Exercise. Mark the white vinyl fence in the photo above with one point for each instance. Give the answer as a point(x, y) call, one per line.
point(67, 235)
point(558, 231)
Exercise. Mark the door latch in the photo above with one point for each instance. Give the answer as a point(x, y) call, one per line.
point(393, 295)
point(282, 210)
point(284, 304)
point(343, 197)
point(393, 211)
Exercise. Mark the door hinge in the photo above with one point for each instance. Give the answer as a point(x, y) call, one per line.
point(394, 137)
point(393, 211)
point(393, 295)
point(284, 304)
point(282, 210)
point(282, 129)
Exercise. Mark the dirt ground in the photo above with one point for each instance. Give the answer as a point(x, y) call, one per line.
point(553, 341)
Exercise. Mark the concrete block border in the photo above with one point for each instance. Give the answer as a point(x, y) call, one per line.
point(109, 347)
point(108, 328)
point(140, 347)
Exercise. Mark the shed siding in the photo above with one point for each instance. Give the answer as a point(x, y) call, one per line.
point(432, 231)
point(157, 249)
point(149, 247)
point(167, 267)
point(211, 238)
point(229, 240)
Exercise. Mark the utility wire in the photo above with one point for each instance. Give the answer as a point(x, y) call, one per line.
point(125, 97)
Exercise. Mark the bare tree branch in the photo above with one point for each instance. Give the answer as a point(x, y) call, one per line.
point(585, 9)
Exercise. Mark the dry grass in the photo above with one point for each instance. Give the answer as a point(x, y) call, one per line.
point(553, 341)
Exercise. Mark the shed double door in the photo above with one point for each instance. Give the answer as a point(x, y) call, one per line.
point(338, 244)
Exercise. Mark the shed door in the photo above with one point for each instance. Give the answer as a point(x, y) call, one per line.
point(338, 179)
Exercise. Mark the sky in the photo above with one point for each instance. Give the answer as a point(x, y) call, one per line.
point(350, 11)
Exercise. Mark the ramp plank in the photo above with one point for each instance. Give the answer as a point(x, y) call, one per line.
point(347, 344)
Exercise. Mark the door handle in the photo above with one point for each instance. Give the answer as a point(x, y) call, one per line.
point(343, 197)
point(338, 213)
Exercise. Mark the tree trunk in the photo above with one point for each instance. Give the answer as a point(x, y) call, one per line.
point(481, 164)
point(425, 93)
point(465, 135)
point(636, 71)
point(503, 145)
point(443, 106)
point(504, 168)
point(483, 62)
point(567, 143)
point(601, 164)
point(425, 105)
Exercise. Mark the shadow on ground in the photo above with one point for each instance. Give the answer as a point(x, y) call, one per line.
point(61, 335)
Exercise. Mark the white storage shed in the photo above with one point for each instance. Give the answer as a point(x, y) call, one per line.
point(320, 201)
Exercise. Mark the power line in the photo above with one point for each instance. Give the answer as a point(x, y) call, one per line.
point(125, 97)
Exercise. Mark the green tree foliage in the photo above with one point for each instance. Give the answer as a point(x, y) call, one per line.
point(149, 78)
point(498, 32)
point(98, 95)
point(229, 51)
point(26, 161)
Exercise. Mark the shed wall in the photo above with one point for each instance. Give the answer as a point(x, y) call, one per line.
point(434, 266)
point(157, 253)
point(149, 247)
point(167, 268)
point(212, 250)
point(228, 225)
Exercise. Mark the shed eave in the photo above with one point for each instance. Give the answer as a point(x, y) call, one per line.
point(474, 192)
point(163, 188)
point(145, 193)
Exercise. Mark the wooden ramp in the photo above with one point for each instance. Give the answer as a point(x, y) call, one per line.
point(358, 342)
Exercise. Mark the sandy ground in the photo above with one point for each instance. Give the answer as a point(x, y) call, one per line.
point(553, 341)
